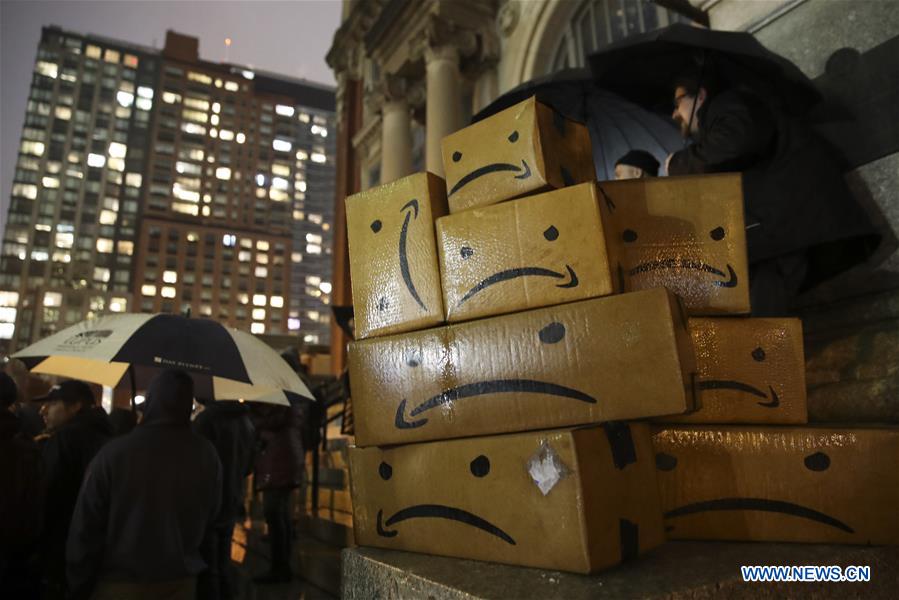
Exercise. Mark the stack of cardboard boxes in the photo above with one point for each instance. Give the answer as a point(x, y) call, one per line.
point(508, 434)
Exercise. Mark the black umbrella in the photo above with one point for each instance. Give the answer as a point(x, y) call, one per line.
point(643, 67)
point(615, 124)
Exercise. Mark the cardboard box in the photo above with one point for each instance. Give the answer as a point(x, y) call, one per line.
point(393, 255)
point(684, 233)
point(779, 484)
point(621, 357)
point(524, 149)
point(536, 251)
point(748, 371)
point(576, 500)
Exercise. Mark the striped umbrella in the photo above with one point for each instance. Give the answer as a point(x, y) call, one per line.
point(130, 349)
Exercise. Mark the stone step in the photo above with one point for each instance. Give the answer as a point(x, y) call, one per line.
point(676, 571)
point(319, 564)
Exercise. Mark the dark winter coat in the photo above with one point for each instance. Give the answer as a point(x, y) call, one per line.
point(228, 427)
point(794, 193)
point(280, 461)
point(66, 456)
point(21, 489)
point(150, 499)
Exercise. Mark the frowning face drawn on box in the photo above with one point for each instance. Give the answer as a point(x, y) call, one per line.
point(410, 213)
point(486, 390)
point(810, 474)
point(517, 151)
point(532, 252)
point(693, 246)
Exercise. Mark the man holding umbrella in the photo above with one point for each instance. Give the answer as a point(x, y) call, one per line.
point(740, 104)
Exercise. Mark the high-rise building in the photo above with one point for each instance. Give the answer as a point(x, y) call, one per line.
point(151, 180)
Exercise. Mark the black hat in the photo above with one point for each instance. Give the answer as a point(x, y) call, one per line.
point(70, 392)
point(642, 160)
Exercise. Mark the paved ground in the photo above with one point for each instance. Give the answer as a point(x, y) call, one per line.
point(250, 557)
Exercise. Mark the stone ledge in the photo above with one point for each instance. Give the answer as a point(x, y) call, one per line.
point(678, 570)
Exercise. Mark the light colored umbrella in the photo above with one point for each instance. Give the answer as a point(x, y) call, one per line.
point(130, 349)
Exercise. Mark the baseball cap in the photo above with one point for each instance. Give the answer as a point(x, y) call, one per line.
point(69, 391)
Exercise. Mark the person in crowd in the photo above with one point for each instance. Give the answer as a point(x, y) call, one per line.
point(228, 427)
point(636, 164)
point(21, 500)
point(802, 224)
point(123, 421)
point(144, 523)
point(279, 469)
point(76, 430)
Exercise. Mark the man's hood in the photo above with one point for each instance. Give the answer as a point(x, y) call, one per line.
point(170, 399)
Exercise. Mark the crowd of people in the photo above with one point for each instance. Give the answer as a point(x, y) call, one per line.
point(140, 505)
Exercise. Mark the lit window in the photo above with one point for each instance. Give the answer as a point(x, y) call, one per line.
point(325, 287)
point(318, 157)
point(293, 324)
point(193, 128)
point(296, 257)
point(186, 209)
point(104, 245)
point(118, 150)
point(279, 183)
point(197, 103)
point(226, 134)
point(246, 243)
point(243, 298)
point(229, 240)
point(195, 115)
point(92, 52)
point(314, 218)
point(284, 111)
point(186, 168)
point(313, 238)
point(133, 179)
point(261, 272)
point(50, 182)
point(170, 276)
point(130, 61)
point(257, 328)
point(101, 274)
point(181, 193)
point(302, 155)
point(26, 190)
point(148, 290)
point(52, 299)
point(278, 195)
point(7, 330)
point(259, 314)
point(167, 292)
point(96, 160)
point(313, 249)
point(171, 97)
point(260, 179)
point(111, 56)
point(199, 77)
point(243, 256)
point(108, 217)
point(125, 248)
point(33, 148)
point(223, 173)
point(63, 112)
point(116, 164)
point(301, 186)
point(192, 237)
point(282, 145)
point(47, 69)
point(62, 257)
point(281, 169)
point(118, 304)
point(144, 103)
point(124, 98)
point(241, 138)
point(304, 117)
point(231, 86)
point(248, 74)
point(313, 279)
point(277, 301)
point(39, 255)
point(298, 215)
point(145, 92)
point(214, 119)
point(259, 299)
point(262, 245)
point(65, 240)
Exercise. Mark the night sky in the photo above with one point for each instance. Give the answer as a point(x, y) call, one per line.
point(289, 37)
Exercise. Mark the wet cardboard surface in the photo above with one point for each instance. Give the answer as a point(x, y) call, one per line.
point(620, 357)
point(393, 255)
point(779, 484)
point(683, 233)
point(535, 251)
point(749, 370)
point(522, 150)
point(575, 500)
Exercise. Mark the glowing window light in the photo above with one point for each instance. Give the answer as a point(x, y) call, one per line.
point(257, 328)
point(168, 292)
point(284, 111)
point(96, 160)
point(259, 300)
point(282, 145)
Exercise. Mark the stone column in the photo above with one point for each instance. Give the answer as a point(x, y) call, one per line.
point(396, 135)
point(443, 108)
